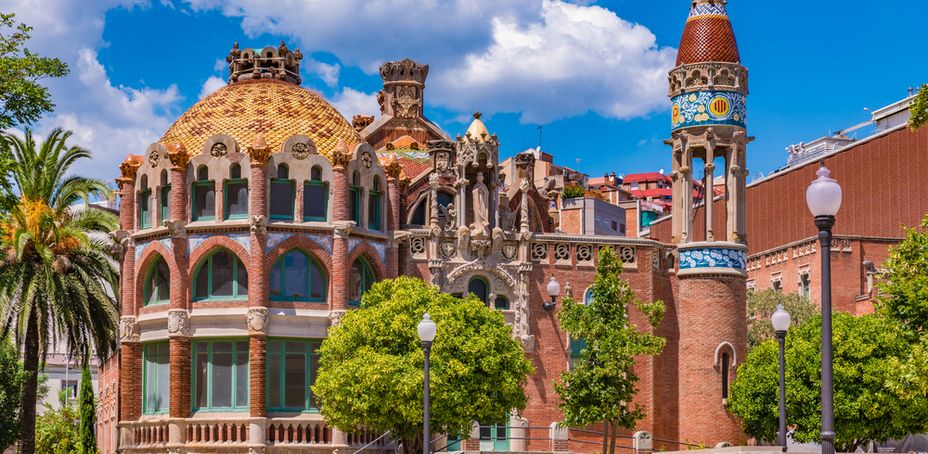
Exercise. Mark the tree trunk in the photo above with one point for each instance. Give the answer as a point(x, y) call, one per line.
point(606, 437)
point(615, 428)
point(30, 385)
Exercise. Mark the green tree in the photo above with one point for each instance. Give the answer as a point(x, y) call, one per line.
point(904, 286)
point(874, 400)
point(88, 410)
point(23, 99)
point(601, 385)
point(762, 304)
point(371, 364)
point(918, 111)
point(57, 269)
point(11, 382)
point(57, 431)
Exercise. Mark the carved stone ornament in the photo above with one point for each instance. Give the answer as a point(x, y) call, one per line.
point(367, 160)
point(258, 224)
point(154, 158)
point(178, 155)
point(129, 168)
point(259, 151)
point(178, 323)
point(218, 150)
point(176, 228)
point(128, 330)
point(442, 161)
point(343, 229)
point(122, 240)
point(335, 317)
point(257, 320)
point(302, 150)
point(406, 103)
point(340, 156)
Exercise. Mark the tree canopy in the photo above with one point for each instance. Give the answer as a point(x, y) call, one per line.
point(11, 383)
point(88, 413)
point(371, 364)
point(918, 111)
point(762, 304)
point(600, 387)
point(876, 395)
point(904, 286)
point(23, 99)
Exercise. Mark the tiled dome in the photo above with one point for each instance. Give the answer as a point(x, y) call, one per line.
point(708, 35)
point(278, 109)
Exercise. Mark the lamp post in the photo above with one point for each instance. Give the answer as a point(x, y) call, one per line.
point(426, 330)
point(824, 199)
point(554, 289)
point(780, 320)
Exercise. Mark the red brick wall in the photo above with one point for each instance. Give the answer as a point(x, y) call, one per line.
point(256, 375)
point(179, 406)
point(709, 311)
point(130, 382)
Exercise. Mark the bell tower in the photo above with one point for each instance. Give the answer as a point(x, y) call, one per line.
point(708, 90)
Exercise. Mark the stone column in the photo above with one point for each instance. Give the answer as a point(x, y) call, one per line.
point(708, 185)
point(558, 436)
point(393, 170)
point(338, 281)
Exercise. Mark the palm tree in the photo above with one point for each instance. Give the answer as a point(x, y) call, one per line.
point(57, 269)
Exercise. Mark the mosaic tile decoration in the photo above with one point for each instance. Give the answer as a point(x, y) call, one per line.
point(713, 257)
point(707, 9)
point(193, 241)
point(275, 108)
point(379, 247)
point(275, 238)
point(706, 108)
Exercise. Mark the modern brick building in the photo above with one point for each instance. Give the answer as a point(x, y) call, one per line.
point(262, 215)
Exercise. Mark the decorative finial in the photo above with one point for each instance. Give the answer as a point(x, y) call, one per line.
point(477, 115)
point(259, 142)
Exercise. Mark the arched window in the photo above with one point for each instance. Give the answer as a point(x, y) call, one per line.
point(360, 279)
point(418, 215)
point(373, 205)
point(315, 196)
point(236, 194)
point(204, 196)
point(283, 194)
point(297, 277)
point(144, 203)
point(479, 287)
point(354, 198)
point(157, 288)
point(220, 276)
point(165, 196)
point(725, 364)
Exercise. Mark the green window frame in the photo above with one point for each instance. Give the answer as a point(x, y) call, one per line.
point(360, 279)
point(354, 199)
point(481, 294)
point(502, 303)
point(325, 200)
point(156, 391)
point(238, 375)
point(226, 208)
point(152, 292)
point(208, 184)
point(373, 210)
point(239, 280)
point(279, 273)
point(165, 202)
point(290, 185)
point(145, 209)
point(494, 437)
point(279, 350)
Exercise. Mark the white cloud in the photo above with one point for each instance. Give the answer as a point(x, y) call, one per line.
point(544, 59)
point(110, 120)
point(351, 102)
point(212, 84)
point(327, 72)
point(573, 60)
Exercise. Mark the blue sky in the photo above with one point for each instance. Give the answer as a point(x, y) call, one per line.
point(814, 66)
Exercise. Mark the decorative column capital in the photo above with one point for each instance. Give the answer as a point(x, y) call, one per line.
point(179, 323)
point(128, 170)
point(177, 153)
point(335, 317)
point(340, 156)
point(343, 229)
point(128, 330)
point(393, 168)
point(259, 151)
point(257, 320)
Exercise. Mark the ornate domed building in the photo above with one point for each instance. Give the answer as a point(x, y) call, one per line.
point(262, 215)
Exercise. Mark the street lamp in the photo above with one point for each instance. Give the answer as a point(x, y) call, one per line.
point(554, 289)
point(824, 199)
point(426, 330)
point(780, 321)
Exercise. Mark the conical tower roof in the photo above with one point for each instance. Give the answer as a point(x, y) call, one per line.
point(708, 35)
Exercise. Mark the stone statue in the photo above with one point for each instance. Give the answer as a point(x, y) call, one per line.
point(481, 198)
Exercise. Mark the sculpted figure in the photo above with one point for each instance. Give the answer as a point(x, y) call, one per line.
point(481, 198)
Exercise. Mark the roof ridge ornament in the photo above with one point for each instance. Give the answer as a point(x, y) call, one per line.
point(278, 63)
